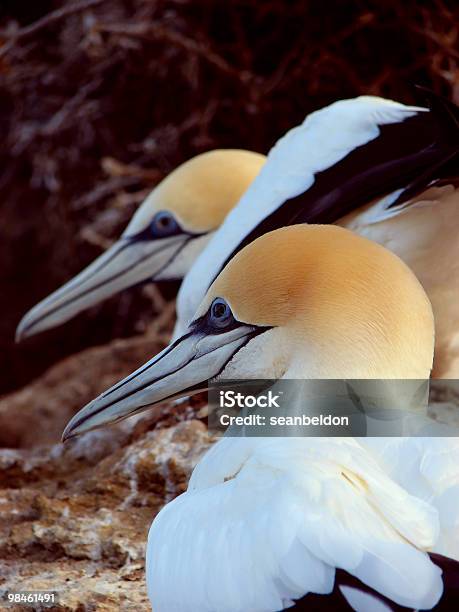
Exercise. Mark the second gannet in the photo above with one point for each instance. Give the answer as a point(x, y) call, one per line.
point(300, 523)
point(163, 238)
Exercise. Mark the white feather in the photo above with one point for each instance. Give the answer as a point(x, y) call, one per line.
point(363, 602)
point(429, 469)
point(287, 512)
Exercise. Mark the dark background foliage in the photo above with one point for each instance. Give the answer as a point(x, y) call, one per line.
point(99, 99)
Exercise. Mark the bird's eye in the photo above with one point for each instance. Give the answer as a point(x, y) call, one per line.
point(220, 313)
point(163, 224)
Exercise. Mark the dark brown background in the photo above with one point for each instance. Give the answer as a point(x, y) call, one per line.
point(101, 98)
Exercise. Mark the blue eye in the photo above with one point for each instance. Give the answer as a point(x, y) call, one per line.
point(163, 224)
point(220, 313)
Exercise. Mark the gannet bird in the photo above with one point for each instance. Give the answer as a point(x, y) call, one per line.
point(300, 523)
point(383, 169)
point(164, 237)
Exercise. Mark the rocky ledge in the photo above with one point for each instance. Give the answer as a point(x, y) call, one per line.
point(74, 518)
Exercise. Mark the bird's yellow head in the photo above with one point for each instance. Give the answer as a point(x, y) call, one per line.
point(166, 234)
point(309, 302)
point(200, 193)
point(349, 307)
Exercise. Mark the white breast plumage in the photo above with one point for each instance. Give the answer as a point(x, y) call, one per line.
point(277, 527)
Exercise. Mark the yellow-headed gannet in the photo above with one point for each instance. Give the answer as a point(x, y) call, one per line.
point(314, 523)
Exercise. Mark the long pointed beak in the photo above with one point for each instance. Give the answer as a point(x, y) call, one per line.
point(127, 263)
point(182, 368)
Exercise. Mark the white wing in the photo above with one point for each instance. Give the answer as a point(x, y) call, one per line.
point(429, 469)
point(274, 528)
